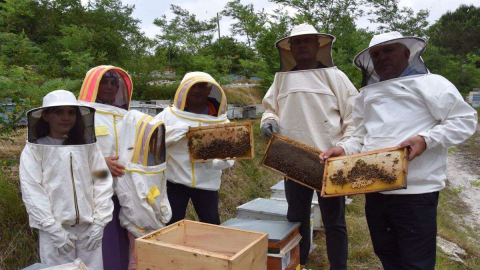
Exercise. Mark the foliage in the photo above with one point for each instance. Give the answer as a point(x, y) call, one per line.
point(248, 22)
point(391, 17)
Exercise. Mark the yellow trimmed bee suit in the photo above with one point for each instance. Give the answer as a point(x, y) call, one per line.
point(312, 106)
point(66, 187)
point(142, 191)
point(177, 121)
point(108, 117)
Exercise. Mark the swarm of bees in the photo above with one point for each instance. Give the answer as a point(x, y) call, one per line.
point(233, 143)
point(362, 171)
point(296, 162)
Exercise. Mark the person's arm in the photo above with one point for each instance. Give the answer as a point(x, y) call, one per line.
point(458, 121)
point(102, 188)
point(346, 93)
point(35, 197)
point(354, 144)
point(270, 119)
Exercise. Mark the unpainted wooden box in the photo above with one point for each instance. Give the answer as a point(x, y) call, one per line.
point(191, 245)
point(230, 141)
point(294, 160)
point(374, 171)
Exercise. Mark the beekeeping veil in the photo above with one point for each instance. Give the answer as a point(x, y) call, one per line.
point(38, 127)
point(190, 79)
point(416, 45)
point(89, 90)
point(324, 54)
point(142, 190)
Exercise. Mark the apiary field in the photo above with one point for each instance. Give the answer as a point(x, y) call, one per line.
point(241, 184)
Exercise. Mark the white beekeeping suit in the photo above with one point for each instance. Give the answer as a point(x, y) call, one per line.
point(142, 192)
point(108, 116)
point(180, 170)
point(416, 103)
point(66, 187)
point(312, 106)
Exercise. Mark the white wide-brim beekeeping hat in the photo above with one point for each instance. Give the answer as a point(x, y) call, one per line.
point(59, 98)
point(324, 54)
point(416, 45)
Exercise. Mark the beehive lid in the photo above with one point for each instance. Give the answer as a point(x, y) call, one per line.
point(225, 141)
point(277, 230)
point(294, 160)
point(379, 170)
point(266, 206)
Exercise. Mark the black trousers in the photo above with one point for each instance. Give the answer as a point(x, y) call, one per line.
point(403, 229)
point(299, 200)
point(205, 203)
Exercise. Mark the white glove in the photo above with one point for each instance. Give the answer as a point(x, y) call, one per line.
point(62, 240)
point(94, 233)
point(269, 127)
point(218, 164)
point(165, 210)
point(176, 132)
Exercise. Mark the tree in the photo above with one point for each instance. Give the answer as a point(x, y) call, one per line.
point(325, 15)
point(185, 31)
point(393, 18)
point(248, 22)
point(459, 33)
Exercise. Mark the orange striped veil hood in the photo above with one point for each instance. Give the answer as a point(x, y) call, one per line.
point(91, 83)
point(191, 79)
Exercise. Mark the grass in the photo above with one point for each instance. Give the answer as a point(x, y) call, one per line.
point(240, 184)
point(475, 183)
point(244, 95)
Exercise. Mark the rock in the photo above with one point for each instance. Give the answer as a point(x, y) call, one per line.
point(451, 250)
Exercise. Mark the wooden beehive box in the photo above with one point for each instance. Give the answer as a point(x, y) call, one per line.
point(374, 171)
point(294, 160)
point(190, 245)
point(230, 141)
point(283, 240)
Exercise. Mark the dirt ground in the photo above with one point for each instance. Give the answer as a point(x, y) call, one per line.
point(463, 173)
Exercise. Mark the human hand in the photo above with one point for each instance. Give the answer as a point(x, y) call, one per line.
point(62, 240)
point(94, 233)
point(269, 127)
point(218, 164)
point(115, 169)
point(416, 145)
point(332, 152)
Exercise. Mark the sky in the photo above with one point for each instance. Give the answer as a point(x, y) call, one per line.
point(148, 10)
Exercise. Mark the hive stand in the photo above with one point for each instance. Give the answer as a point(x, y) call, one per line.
point(278, 193)
point(268, 209)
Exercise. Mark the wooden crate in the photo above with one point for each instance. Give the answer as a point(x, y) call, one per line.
point(374, 171)
point(294, 160)
point(230, 141)
point(190, 245)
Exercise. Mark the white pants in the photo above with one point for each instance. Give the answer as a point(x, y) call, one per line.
point(48, 255)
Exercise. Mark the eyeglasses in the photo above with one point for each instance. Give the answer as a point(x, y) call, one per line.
point(298, 41)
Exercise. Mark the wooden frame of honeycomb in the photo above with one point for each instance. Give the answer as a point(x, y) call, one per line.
point(373, 171)
point(231, 141)
point(301, 163)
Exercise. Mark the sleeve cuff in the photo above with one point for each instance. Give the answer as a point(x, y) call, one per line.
point(428, 142)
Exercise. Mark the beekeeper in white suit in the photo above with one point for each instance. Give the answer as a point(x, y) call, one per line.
point(311, 101)
point(199, 101)
point(404, 105)
point(65, 182)
point(143, 190)
point(109, 89)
